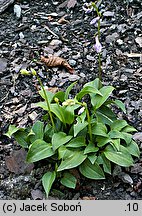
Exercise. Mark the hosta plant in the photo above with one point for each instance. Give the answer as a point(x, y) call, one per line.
point(79, 132)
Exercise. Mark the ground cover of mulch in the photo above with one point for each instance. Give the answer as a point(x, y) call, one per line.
point(61, 28)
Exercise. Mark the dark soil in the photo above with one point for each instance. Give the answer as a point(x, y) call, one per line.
point(23, 40)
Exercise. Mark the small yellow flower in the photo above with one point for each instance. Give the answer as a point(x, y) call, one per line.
point(56, 100)
point(34, 73)
point(68, 102)
point(25, 72)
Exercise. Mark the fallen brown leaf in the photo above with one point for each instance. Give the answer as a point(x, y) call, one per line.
point(62, 20)
point(54, 61)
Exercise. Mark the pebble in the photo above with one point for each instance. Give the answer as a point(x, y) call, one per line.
point(139, 41)
point(52, 82)
point(129, 70)
point(112, 38)
point(123, 78)
point(72, 62)
point(33, 115)
point(21, 35)
point(108, 14)
point(82, 75)
point(120, 42)
point(74, 77)
point(90, 58)
point(17, 10)
point(3, 64)
point(122, 28)
point(138, 136)
point(55, 42)
point(126, 178)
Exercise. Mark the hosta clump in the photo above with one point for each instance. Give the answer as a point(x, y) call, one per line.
point(88, 139)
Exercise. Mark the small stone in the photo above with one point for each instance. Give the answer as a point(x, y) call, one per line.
point(33, 115)
point(136, 168)
point(122, 91)
point(138, 136)
point(120, 42)
point(125, 178)
point(108, 14)
point(122, 28)
point(139, 41)
point(52, 82)
point(112, 38)
point(3, 64)
point(72, 62)
point(37, 194)
point(17, 10)
point(74, 77)
point(123, 78)
point(21, 35)
point(129, 70)
point(82, 75)
point(55, 42)
point(90, 58)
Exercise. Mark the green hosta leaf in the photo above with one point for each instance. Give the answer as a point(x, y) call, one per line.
point(87, 90)
point(133, 149)
point(68, 180)
point(76, 142)
point(101, 141)
point(92, 158)
point(79, 127)
point(58, 111)
point(116, 143)
point(49, 95)
point(74, 160)
point(106, 164)
point(90, 148)
point(55, 108)
point(48, 132)
point(122, 157)
point(59, 139)
point(118, 125)
point(97, 100)
point(47, 181)
point(122, 135)
point(69, 114)
point(21, 138)
point(60, 95)
point(39, 150)
point(127, 137)
point(120, 104)
point(95, 83)
point(129, 129)
point(105, 115)
point(63, 152)
point(92, 171)
point(42, 105)
point(11, 130)
point(101, 117)
point(37, 131)
point(99, 129)
point(70, 87)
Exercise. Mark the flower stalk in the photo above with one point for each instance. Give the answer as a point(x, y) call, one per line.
point(46, 99)
point(88, 118)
